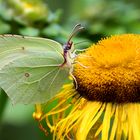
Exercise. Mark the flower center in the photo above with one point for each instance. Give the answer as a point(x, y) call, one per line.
point(110, 70)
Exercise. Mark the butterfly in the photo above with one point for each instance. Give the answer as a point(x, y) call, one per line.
point(33, 69)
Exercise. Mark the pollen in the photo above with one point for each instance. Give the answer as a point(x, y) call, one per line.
point(110, 70)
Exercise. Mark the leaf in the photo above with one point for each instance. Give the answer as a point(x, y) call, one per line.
point(4, 27)
point(30, 70)
point(30, 31)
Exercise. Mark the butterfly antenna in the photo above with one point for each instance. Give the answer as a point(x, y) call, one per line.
point(76, 29)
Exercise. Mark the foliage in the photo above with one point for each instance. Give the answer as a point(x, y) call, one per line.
point(26, 17)
point(107, 17)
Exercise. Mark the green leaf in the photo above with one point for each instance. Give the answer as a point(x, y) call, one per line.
point(3, 102)
point(52, 30)
point(30, 68)
point(4, 27)
point(30, 31)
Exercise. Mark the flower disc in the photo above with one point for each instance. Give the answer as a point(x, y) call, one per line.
point(110, 70)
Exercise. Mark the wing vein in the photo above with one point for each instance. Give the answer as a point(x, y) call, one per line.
point(40, 78)
point(54, 78)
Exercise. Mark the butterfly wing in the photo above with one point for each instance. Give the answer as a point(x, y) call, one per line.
point(30, 69)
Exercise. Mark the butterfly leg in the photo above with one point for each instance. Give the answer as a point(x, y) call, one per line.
point(73, 55)
point(81, 64)
point(82, 55)
point(75, 81)
point(79, 50)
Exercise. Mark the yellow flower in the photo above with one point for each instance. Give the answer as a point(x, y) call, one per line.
point(106, 104)
point(28, 11)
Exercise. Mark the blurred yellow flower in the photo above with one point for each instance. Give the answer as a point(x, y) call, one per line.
point(28, 7)
point(28, 10)
point(106, 103)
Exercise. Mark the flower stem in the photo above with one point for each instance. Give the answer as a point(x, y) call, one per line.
point(3, 101)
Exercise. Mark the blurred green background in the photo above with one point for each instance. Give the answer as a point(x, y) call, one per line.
point(55, 19)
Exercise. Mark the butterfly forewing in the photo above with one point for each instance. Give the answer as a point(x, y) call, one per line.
point(30, 70)
point(20, 42)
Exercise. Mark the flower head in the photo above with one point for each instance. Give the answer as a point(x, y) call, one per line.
point(113, 70)
point(106, 103)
